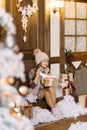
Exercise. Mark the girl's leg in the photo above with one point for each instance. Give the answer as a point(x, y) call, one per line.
point(49, 100)
point(51, 103)
point(52, 95)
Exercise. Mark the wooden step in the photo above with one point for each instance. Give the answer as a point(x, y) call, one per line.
point(63, 124)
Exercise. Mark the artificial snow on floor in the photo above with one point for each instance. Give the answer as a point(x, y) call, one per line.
point(31, 98)
point(78, 126)
point(42, 116)
point(67, 106)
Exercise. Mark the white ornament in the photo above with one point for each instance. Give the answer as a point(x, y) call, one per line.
point(24, 38)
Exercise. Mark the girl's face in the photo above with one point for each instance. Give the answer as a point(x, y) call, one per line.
point(44, 63)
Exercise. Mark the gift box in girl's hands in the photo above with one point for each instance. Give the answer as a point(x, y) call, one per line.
point(48, 80)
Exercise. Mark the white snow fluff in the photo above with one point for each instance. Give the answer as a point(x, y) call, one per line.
point(78, 126)
point(57, 91)
point(31, 98)
point(70, 108)
point(42, 116)
point(67, 106)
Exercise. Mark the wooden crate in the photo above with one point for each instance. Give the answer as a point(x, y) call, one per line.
point(28, 111)
point(63, 124)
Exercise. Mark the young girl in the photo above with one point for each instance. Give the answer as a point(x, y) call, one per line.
point(37, 88)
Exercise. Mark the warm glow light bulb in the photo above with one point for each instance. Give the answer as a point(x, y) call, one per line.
point(12, 104)
point(16, 109)
point(2, 3)
point(59, 3)
point(19, 115)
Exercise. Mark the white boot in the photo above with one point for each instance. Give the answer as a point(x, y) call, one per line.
point(57, 113)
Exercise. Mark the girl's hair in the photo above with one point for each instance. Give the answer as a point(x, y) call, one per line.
point(36, 68)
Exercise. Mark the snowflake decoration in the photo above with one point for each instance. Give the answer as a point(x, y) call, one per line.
point(26, 12)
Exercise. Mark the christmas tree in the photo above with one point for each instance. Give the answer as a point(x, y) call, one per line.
point(11, 66)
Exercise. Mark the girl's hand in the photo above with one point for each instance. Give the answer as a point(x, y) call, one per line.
point(38, 77)
point(39, 70)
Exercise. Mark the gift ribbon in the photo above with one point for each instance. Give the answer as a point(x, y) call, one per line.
point(63, 91)
point(70, 83)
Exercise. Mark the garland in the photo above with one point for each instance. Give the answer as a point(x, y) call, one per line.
point(26, 12)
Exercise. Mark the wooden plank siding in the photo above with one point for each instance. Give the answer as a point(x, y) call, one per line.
point(62, 47)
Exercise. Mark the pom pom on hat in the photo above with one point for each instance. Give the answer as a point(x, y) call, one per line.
point(39, 56)
point(36, 51)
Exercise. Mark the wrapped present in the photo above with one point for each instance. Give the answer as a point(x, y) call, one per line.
point(65, 87)
point(61, 83)
point(68, 80)
point(83, 100)
point(65, 91)
point(48, 80)
point(28, 110)
point(67, 77)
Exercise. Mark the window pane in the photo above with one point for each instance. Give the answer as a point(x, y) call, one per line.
point(55, 37)
point(81, 10)
point(55, 69)
point(81, 44)
point(81, 27)
point(69, 27)
point(70, 43)
point(69, 6)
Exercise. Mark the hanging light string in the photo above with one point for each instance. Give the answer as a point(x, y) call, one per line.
point(26, 12)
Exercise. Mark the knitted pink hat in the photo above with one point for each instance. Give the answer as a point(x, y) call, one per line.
point(40, 56)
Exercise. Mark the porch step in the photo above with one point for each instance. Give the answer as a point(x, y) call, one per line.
point(62, 124)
